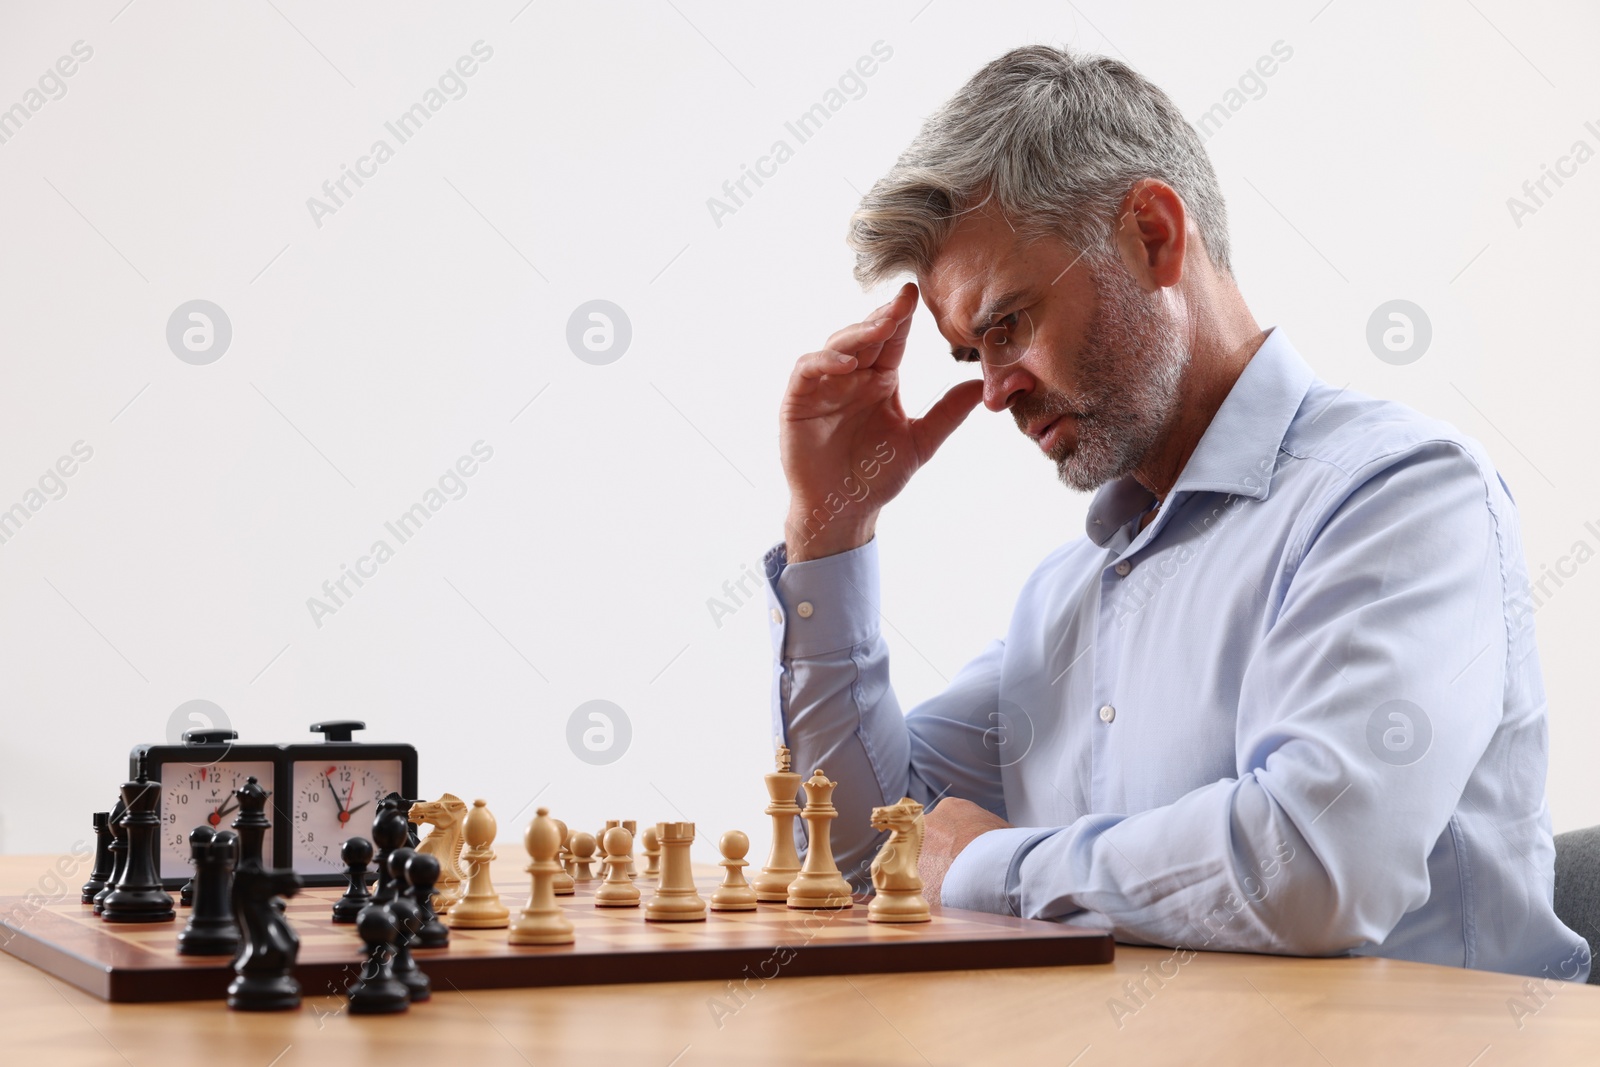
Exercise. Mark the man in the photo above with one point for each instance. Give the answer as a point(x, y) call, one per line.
point(1280, 698)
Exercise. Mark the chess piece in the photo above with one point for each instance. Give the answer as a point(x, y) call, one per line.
point(213, 928)
point(251, 824)
point(403, 806)
point(408, 918)
point(564, 857)
point(419, 987)
point(119, 852)
point(388, 833)
point(652, 853)
point(377, 991)
point(262, 971)
point(563, 884)
point(899, 896)
point(542, 922)
point(632, 826)
point(479, 907)
point(600, 867)
point(772, 884)
point(583, 846)
point(819, 883)
point(137, 896)
point(356, 853)
point(422, 872)
point(100, 877)
point(618, 890)
point(675, 898)
point(734, 894)
point(447, 816)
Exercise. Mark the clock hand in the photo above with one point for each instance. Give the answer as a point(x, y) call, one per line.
point(336, 801)
point(358, 807)
point(215, 818)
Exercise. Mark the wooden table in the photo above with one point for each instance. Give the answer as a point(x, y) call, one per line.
point(1217, 1008)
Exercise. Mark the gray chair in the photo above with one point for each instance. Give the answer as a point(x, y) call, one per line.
point(1578, 887)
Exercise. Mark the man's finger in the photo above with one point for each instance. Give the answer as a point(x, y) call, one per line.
point(810, 368)
point(858, 335)
point(951, 410)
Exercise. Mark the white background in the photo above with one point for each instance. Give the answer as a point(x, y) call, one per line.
point(372, 351)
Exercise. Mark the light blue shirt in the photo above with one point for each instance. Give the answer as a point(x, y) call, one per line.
point(1301, 712)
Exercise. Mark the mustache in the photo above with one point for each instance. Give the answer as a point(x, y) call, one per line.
point(1051, 408)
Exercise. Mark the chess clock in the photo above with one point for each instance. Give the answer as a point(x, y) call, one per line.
point(322, 792)
point(329, 790)
point(197, 779)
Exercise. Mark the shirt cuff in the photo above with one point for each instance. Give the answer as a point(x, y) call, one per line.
point(821, 605)
point(985, 875)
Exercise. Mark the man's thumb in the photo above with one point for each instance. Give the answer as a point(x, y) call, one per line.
point(952, 409)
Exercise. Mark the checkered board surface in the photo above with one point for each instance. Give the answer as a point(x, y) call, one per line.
point(138, 962)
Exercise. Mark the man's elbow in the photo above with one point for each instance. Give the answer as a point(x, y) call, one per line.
point(1315, 912)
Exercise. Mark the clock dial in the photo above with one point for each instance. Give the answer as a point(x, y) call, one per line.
point(202, 795)
point(333, 801)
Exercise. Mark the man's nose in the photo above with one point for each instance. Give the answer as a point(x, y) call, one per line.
point(1004, 386)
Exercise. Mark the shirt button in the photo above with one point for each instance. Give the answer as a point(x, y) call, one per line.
point(803, 609)
point(1123, 568)
point(1107, 713)
point(777, 616)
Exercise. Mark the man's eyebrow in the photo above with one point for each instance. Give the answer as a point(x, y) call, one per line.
point(994, 306)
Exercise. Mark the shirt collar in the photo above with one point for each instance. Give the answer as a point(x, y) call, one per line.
point(1238, 452)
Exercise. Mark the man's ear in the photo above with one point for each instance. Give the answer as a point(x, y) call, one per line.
point(1152, 233)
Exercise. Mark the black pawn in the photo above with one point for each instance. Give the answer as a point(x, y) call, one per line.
point(119, 852)
point(213, 929)
point(356, 853)
point(252, 823)
point(100, 877)
point(405, 966)
point(378, 991)
point(422, 872)
point(408, 917)
point(137, 896)
point(388, 834)
point(262, 971)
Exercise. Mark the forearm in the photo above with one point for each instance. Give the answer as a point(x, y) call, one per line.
point(832, 704)
point(1223, 868)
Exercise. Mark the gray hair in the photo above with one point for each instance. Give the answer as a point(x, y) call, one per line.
point(1056, 140)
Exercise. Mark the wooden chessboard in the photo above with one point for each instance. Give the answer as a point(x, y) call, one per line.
point(138, 962)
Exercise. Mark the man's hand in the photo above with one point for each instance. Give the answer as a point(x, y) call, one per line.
point(847, 446)
point(950, 827)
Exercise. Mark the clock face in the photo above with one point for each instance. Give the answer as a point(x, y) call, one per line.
point(202, 795)
point(334, 800)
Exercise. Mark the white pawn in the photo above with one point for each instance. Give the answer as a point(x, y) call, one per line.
point(542, 921)
point(618, 890)
point(563, 883)
point(583, 845)
point(632, 826)
point(652, 852)
point(734, 894)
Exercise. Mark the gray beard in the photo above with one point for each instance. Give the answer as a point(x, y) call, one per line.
point(1130, 373)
